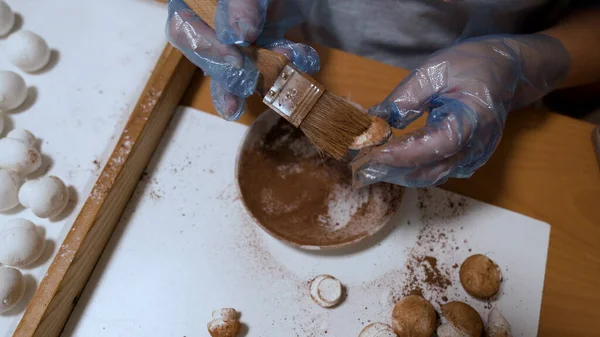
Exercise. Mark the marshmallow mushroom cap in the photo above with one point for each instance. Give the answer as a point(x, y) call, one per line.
point(9, 189)
point(12, 288)
point(497, 325)
point(377, 330)
point(7, 18)
point(23, 135)
point(480, 276)
point(13, 90)
point(463, 321)
point(27, 50)
point(18, 156)
point(225, 323)
point(449, 330)
point(47, 196)
point(414, 316)
point(326, 291)
point(20, 243)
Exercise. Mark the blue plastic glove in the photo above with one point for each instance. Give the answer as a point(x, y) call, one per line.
point(237, 22)
point(468, 90)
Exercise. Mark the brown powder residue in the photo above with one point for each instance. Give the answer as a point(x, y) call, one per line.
point(297, 195)
point(306, 321)
point(155, 195)
point(425, 278)
point(433, 276)
point(440, 208)
point(431, 268)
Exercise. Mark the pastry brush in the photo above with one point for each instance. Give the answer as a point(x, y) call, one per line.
point(332, 124)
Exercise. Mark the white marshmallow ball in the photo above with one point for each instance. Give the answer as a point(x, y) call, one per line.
point(18, 156)
point(27, 50)
point(7, 18)
point(23, 135)
point(9, 189)
point(12, 288)
point(20, 243)
point(47, 197)
point(13, 90)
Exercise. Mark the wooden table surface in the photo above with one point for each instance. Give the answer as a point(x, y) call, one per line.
point(544, 167)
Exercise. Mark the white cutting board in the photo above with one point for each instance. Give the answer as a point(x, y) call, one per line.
point(185, 247)
point(104, 53)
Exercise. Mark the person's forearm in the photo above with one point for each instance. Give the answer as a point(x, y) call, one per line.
point(580, 35)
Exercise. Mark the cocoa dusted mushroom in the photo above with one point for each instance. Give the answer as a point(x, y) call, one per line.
point(480, 276)
point(225, 323)
point(414, 316)
point(463, 321)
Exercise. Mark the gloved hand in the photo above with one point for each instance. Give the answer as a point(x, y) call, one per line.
point(237, 22)
point(468, 90)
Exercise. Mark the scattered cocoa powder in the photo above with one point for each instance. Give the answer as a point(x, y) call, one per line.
point(155, 195)
point(430, 266)
point(298, 196)
point(423, 272)
point(433, 276)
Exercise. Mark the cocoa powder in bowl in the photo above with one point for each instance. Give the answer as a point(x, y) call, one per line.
point(303, 198)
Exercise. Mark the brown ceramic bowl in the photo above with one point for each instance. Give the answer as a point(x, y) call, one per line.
point(284, 205)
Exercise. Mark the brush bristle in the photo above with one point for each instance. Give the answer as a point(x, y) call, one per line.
point(333, 124)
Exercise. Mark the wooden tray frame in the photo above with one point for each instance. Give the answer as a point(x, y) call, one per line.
point(59, 291)
point(571, 290)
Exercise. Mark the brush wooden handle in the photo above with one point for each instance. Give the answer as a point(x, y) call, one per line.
point(269, 63)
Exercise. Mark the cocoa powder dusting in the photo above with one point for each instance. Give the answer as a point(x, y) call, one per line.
point(423, 274)
point(378, 133)
point(302, 197)
point(430, 266)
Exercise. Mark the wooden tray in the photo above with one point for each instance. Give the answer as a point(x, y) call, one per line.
point(534, 172)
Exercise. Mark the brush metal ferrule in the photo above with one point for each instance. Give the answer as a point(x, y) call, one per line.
point(293, 95)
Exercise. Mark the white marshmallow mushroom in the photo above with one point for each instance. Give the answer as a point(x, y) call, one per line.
point(497, 325)
point(7, 18)
point(27, 50)
point(9, 189)
point(47, 196)
point(12, 288)
point(326, 291)
point(18, 156)
point(377, 330)
point(23, 135)
point(13, 90)
point(20, 243)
